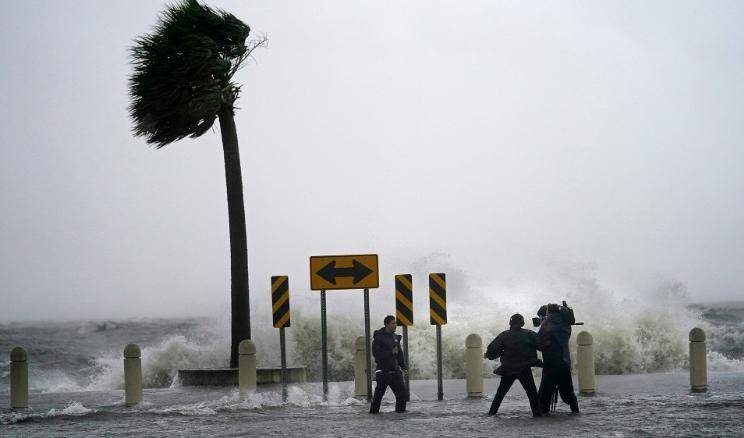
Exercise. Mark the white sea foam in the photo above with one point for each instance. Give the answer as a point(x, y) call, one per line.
point(718, 362)
point(201, 408)
point(53, 382)
point(296, 396)
point(75, 409)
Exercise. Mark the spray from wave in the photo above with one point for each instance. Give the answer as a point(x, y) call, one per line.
point(643, 334)
point(632, 334)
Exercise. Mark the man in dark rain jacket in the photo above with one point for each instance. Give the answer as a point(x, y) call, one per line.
point(553, 336)
point(517, 348)
point(390, 365)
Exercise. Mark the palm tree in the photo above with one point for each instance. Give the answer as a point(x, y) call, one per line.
point(182, 82)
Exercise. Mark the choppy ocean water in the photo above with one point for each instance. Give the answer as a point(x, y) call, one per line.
point(76, 378)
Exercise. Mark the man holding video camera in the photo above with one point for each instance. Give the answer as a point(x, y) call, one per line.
point(517, 348)
point(553, 336)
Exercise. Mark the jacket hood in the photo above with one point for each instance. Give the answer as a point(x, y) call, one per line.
point(383, 332)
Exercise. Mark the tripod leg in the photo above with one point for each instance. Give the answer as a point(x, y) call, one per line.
point(554, 399)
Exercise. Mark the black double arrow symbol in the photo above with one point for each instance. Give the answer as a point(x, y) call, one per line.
point(330, 272)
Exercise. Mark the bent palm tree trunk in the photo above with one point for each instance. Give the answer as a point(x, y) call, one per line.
point(241, 323)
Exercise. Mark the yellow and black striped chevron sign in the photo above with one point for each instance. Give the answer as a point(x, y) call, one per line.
point(404, 299)
point(437, 299)
point(280, 300)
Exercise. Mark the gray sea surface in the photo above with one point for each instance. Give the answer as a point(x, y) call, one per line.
point(627, 405)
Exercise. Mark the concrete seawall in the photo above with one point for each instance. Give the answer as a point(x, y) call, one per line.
point(229, 376)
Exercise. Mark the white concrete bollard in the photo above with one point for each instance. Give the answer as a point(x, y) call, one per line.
point(698, 361)
point(360, 368)
point(18, 378)
point(585, 353)
point(246, 367)
point(474, 365)
point(132, 375)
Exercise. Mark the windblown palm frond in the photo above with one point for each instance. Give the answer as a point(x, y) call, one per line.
point(183, 71)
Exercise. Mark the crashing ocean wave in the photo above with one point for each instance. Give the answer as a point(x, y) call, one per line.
point(643, 334)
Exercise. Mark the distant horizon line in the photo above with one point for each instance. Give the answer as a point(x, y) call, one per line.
point(728, 304)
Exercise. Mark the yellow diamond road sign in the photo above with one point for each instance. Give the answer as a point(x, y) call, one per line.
point(344, 272)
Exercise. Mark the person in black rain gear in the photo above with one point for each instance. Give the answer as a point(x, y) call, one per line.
point(517, 348)
point(390, 366)
point(553, 336)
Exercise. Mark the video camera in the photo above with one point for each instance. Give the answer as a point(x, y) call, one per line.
point(563, 309)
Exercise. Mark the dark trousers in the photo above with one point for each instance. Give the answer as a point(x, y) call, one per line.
point(528, 383)
point(559, 376)
point(395, 381)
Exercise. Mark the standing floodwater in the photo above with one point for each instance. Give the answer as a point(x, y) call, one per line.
point(632, 405)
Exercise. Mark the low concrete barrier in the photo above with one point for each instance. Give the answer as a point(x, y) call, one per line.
point(585, 353)
point(18, 378)
point(229, 376)
point(474, 365)
point(698, 361)
point(360, 367)
point(246, 367)
point(132, 375)
point(268, 376)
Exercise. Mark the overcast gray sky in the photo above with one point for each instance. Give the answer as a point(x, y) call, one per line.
point(501, 136)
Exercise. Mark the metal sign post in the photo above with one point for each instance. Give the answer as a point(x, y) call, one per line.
point(367, 361)
point(324, 341)
point(280, 312)
point(408, 369)
point(440, 392)
point(438, 317)
point(283, 346)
